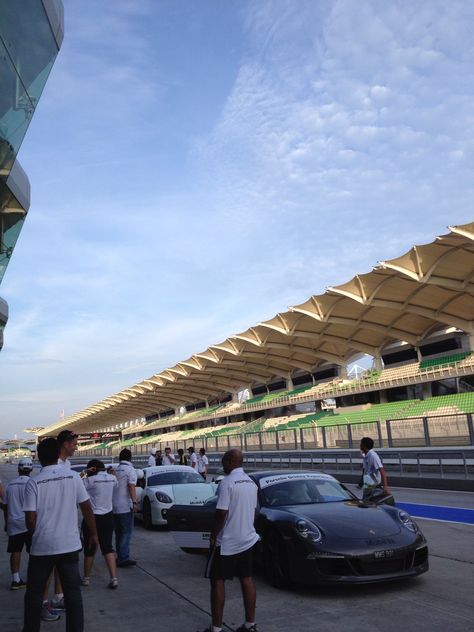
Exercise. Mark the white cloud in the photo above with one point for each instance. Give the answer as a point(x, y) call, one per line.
point(344, 136)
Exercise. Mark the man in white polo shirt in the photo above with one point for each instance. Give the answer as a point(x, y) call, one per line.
point(151, 458)
point(67, 440)
point(124, 507)
point(100, 486)
point(192, 458)
point(50, 506)
point(232, 540)
point(168, 458)
point(202, 463)
point(18, 536)
point(374, 474)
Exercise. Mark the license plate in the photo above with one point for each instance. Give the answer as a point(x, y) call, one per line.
point(384, 555)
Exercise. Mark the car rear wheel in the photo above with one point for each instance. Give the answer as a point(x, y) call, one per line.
point(147, 519)
point(275, 557)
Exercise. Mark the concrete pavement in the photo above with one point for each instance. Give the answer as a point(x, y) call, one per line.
point(167, 592)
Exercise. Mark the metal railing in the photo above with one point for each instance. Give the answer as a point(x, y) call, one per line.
point(439, 464)
point(426, 463)
point(416, 432)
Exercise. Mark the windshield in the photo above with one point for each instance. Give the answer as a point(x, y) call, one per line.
point(174, 478)
point(304, 492)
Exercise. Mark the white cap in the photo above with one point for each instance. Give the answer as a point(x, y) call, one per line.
point(140, 474)
point(153, 451)
point(25, 464)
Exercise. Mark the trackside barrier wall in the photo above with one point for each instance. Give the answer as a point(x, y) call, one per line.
point(440, 431)
point(448, 468)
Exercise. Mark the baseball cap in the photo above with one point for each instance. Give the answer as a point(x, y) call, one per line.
point(25, 464)
point(153, 451)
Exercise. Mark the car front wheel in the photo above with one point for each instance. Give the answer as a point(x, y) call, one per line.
point(275, 559)
point(147, 518)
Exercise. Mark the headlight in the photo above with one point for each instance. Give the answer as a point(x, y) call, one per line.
point(308, 531)
point(163, 498)
point(407, 521)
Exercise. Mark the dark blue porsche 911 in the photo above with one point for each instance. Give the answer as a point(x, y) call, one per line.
point(314, 530)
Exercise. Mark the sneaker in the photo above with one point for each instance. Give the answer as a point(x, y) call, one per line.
point(17, 585)
point(126, 563)
point(58, 604)
point(85, 581)
point(47, 614)
point(243, 628)
point(113, 583)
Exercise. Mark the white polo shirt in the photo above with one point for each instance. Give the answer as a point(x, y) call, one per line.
point(372, 465)
point(54, 494)
point(237, 493)
point(168, 460)
point(14, 495)
point(126, 475)
point(66, 463)
point(151, 461)
point(202, 462)
point(100, 488)
point(193, 460)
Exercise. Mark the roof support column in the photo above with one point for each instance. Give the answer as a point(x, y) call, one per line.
point(378, 366)
point(470, 338)
point(289, 384)
point(343, 372)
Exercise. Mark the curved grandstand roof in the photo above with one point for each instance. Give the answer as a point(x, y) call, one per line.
point(403, 299)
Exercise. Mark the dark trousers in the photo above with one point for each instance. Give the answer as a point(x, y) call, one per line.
point(123, 525)
point(39, 569)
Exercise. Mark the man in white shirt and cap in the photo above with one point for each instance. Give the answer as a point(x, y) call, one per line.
point(232, 540)
point(18, 535)
point(50, 506)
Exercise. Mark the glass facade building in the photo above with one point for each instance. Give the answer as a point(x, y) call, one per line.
point(31, 34)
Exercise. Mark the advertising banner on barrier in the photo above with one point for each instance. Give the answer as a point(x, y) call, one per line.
point(91, 436)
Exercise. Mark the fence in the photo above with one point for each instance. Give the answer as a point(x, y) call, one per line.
point(439, 431)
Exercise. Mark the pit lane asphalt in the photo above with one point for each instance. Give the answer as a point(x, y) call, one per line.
point(166, 590)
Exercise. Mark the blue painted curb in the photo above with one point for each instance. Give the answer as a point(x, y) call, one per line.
point(435, 512)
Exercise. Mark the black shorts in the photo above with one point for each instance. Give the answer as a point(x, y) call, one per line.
point(105, 530)
point(18, 541)
point(230, 566)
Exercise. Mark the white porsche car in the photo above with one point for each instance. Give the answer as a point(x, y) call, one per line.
point(165, 485)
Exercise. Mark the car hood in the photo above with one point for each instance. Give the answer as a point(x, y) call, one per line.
point(348, 519)
point(192, 493)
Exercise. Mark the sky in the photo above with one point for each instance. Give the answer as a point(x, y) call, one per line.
point(197, 167)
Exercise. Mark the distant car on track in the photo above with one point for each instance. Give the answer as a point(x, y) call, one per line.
point(314, 530)
point(165, 485)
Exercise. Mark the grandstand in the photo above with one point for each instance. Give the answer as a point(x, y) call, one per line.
point(412, 316)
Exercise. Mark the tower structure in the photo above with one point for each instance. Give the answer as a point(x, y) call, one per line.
point(31, 34)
